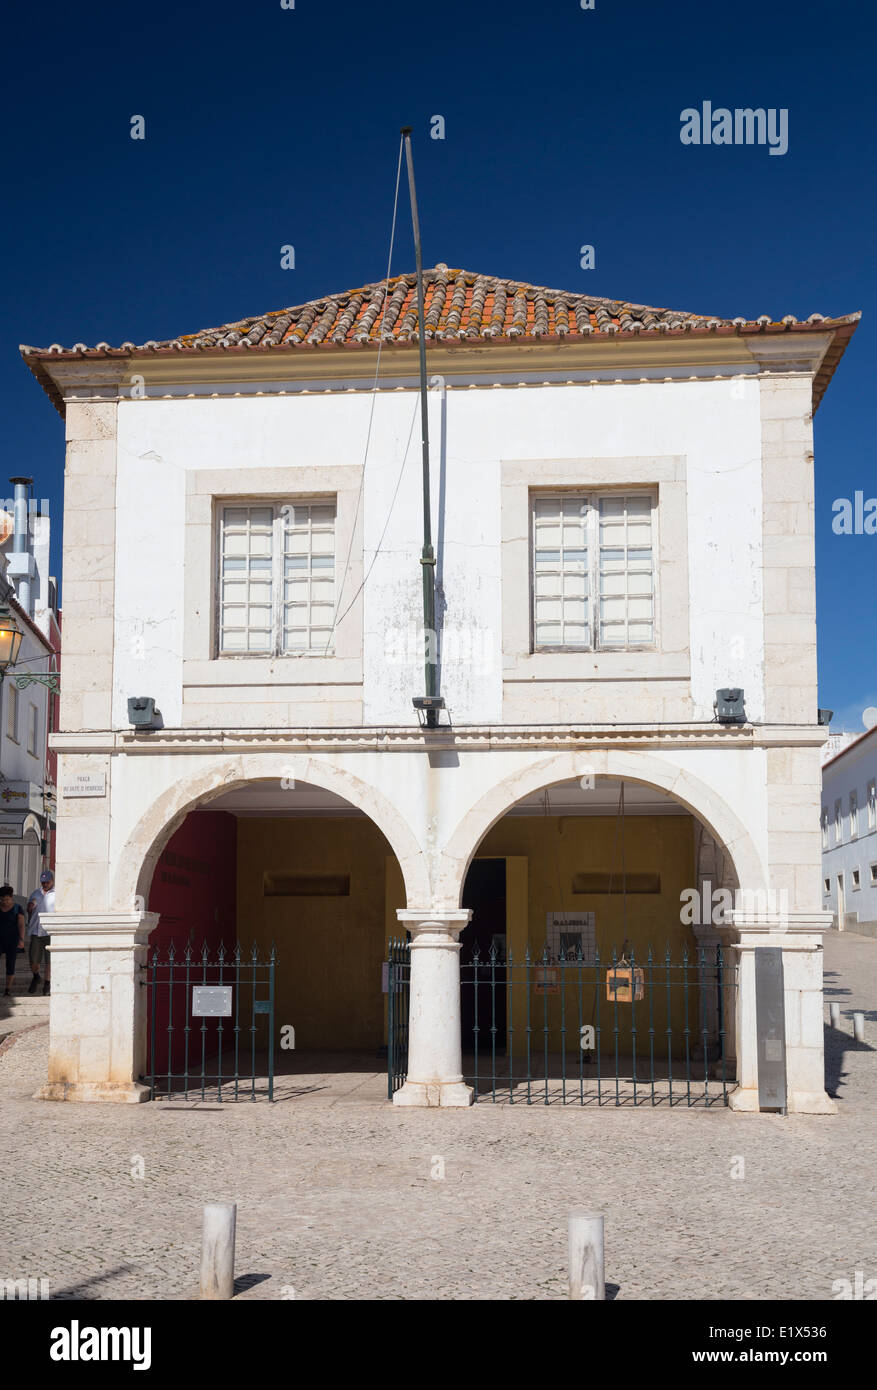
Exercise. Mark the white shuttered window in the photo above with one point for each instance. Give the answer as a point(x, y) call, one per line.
point(593, 571)
point(277, 578)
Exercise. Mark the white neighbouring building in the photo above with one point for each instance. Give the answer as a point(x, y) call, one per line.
point(849, 834)
point(27, 781)
point(623, 516)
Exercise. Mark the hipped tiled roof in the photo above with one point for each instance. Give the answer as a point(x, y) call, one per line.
point(460, 306)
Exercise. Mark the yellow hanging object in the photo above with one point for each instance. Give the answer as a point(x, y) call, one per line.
point(624, 983)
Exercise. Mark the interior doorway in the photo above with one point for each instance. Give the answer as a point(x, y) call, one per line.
point(481, 1005)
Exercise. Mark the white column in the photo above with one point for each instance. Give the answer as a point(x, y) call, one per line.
point(799, 935)
point(97, 1018)
point(435, 1060)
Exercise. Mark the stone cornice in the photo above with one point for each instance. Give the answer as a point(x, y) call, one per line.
point(468, 738)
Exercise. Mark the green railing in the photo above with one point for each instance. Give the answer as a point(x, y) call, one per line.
point(613, 1030)
point(224, 1055)
point(398, 994)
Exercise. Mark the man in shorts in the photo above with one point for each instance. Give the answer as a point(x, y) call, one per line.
point(43, 906)
point(11, 931)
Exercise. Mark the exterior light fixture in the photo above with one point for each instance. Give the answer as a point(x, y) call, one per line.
point(729, 706)
point(142, 713)
point(825, 716)
point(10, 643)
point(10, 639)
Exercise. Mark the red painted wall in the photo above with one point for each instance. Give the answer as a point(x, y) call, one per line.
point(194, 888)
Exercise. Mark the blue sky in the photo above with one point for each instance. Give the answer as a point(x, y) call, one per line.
point(268, 126)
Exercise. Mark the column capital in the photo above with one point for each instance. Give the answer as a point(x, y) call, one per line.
point(792, 930)
point(449, 923)
point(104, 931)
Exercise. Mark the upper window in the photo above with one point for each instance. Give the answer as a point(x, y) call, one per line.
point(838, 824)
point(33, 729)
point(854, 815)
point(825, 827)
point(277, 578)
point(12, 713)
point(593, 571)
point(872, 805)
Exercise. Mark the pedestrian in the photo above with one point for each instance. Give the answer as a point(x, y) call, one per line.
point(11, 931)
point(38, 954)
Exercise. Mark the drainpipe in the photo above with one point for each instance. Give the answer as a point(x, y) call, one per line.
point(21, 570)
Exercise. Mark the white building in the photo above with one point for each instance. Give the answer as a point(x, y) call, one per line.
point(27, 784)
point(849, 835)
point(622, 512)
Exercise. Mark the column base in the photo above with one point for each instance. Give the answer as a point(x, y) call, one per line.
point(799, 1102)
point(107, 1092)
point(440, 1093)
point(811, 1103)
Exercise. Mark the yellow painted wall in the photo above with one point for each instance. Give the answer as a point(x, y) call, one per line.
point(329, 949)
point(546, 851)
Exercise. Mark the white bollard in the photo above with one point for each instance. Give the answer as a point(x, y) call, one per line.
point(859, 1027)
point(217, 1250)
point(834, 1015)
point(587, 1277)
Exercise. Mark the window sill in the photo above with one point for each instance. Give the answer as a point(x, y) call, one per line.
point(636, 663)
point(273, 671)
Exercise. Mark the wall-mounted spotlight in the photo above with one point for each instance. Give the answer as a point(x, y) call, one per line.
point(142, 712)
point(729, 705)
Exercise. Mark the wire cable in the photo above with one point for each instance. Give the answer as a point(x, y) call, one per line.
point(371, 417)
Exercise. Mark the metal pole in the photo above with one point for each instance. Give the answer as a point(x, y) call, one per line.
point(587, 1277)
point(834, 1015)
point(859, 1027)
point(427, 556)
point(217, 1250)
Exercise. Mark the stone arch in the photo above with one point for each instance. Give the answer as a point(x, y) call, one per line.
point(691, 792)
point(169, 809)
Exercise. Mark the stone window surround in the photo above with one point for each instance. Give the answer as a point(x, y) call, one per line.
point(208, 489)
point(665, 475)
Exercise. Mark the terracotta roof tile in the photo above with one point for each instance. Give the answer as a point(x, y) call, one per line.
point(459, 306)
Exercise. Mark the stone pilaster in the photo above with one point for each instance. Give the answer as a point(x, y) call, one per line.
point(799, 936)
point(97, 1020)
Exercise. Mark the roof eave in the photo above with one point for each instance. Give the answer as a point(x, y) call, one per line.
point(841, 329)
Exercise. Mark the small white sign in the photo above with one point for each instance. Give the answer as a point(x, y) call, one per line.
point(211, 1001)
point(85, 784)
point(570, 932)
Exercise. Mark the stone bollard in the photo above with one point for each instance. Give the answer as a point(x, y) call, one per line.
point(587, 1277)
point(859, 1027)
point(834, 1015)
point(217, 1250)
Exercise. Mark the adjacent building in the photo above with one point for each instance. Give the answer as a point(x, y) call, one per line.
point(623, 522)
point(849, 835)
point(28, 706)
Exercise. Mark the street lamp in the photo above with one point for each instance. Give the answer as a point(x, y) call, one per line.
point(10, 639)
point(10, 642)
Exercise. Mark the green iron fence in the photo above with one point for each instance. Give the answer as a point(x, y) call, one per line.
point(570, 1028)
point(205, 1014)
point(398, 994)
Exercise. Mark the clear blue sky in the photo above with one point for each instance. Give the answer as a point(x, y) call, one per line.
point(268, 126)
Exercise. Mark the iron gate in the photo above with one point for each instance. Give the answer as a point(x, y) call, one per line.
point(205, 1012)
point(398, 993)
point(573, 1029)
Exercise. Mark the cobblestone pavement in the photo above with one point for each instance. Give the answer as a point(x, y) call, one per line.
point(336, 1198)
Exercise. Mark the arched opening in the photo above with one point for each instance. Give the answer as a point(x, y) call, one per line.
point(268, 865)
point(597, 952)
